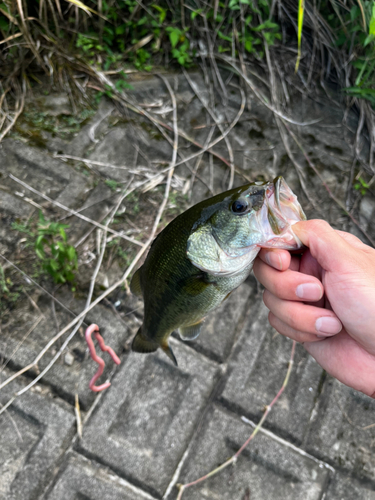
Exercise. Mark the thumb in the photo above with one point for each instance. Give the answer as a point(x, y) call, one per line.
point(326, 245)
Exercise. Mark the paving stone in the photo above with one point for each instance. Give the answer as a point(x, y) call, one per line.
point(142, 426)
point(33, 166)
point(118, 147)
point(80, 478)
point(35, 432)
point(54, 104)
point(220, 327)
point(267, 469)
point(256, 371)
point(74, 192)
point(11, 207)
point(86, 137)
point(10, 204)
point(41, 171)
point(96, 206)
point(366, 217)
point(345, 487)
point(148, 415)
point(338, 433)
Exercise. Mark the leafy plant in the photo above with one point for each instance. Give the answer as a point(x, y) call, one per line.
point(254, 34)
point(3, 282)
point(120, 84)
point(180, 45)
point(356, 33)
point(57, 257)
point(361, 186)
point(112, 184)
point(9, 292)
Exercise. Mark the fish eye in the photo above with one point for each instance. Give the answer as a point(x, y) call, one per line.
point(240, 206)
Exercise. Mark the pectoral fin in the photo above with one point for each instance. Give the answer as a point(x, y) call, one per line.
point(190, 332)
point(135, 284)
point(194, 285)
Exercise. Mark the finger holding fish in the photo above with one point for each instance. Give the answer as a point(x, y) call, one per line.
point(275, 257)
point(303, 317)
point(292, 333)
point(288, 284)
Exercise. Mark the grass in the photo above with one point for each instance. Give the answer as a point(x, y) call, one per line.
point(61, 38)
point(49, 241)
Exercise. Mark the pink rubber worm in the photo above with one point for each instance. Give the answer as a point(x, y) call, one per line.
point(94, 329)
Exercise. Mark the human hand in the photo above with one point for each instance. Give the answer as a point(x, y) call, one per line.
point(325, 299)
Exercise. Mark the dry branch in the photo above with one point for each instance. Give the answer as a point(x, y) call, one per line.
point(234, 458)
point(73, 212)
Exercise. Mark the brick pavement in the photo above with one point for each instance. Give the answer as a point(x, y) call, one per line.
point(158, 425)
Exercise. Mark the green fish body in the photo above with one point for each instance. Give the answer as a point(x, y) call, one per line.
point(204, 254)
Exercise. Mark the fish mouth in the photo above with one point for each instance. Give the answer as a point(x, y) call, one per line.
point(282, 210)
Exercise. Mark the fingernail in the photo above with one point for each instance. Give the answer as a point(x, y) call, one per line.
point(273, 259)
point(309, 291)
point(328, 325)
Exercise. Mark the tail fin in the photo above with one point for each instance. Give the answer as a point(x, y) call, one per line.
point(141, 344)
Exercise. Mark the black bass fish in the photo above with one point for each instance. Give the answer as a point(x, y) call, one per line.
point(205, 253)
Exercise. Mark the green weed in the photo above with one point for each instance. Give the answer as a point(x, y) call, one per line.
point(112, 184)
point(57, 257)
point(361, 186)
point(4, 283)
point(180, 45)
point(9, 293)
point(356, 33)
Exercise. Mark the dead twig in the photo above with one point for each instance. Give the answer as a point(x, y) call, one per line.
point(339, 203)
point(30, 330)
point(77, 411)
point(73, 212)
point(29, 279)
point(280, 123)
point(77, 325)
point(218, 123)
point(261, 98)
point(233, 459)
point(89, 306)
point(20, 103)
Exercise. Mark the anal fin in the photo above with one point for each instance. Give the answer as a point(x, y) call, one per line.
point(190, 332)
point(168, 351)
point(135, 284)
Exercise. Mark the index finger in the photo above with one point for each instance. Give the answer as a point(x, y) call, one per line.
point(279, 259)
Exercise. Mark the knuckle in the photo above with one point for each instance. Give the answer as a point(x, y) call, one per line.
point(293, 323)
point(319, 225)
point(278, 288)
point(266, 298)
point(271, 319)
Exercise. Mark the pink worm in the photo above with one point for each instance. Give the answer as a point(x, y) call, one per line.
point(94, 329)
